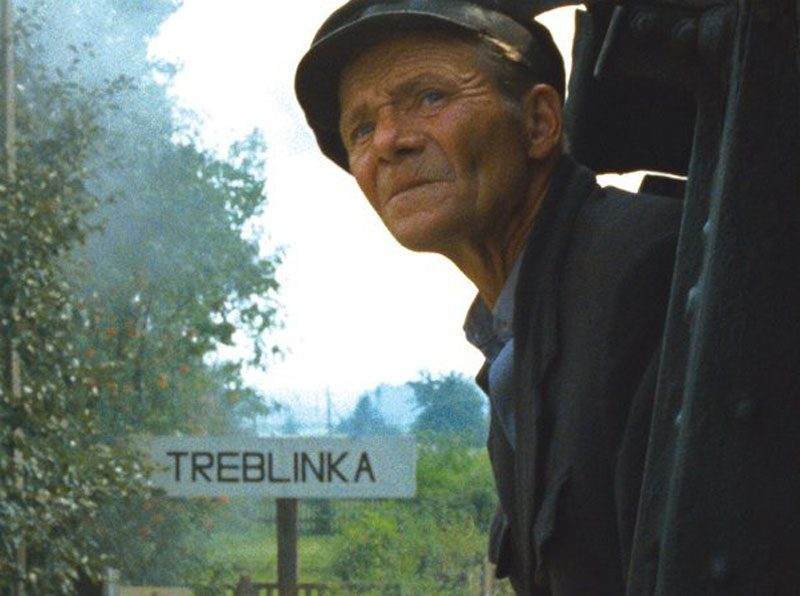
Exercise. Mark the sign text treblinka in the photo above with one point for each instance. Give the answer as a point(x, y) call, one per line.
point(297, 467)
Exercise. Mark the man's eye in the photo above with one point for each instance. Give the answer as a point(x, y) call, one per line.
point(363, 130)
point(432, 97)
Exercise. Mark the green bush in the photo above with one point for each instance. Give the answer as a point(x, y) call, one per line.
point(425, 545)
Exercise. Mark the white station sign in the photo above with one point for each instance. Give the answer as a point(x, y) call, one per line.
point(296, 467)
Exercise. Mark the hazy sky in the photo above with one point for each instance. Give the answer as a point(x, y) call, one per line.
point(358, 309)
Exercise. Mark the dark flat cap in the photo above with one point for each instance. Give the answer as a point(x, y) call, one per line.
point(360, 24)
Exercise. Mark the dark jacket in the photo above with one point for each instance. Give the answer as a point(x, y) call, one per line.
point(590, 304)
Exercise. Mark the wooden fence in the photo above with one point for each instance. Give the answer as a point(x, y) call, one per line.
point(245, 587)
point(479, 581)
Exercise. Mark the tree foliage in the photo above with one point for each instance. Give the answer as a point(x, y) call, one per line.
point(54, 472)
point(430, 544)
point(451, 406)
point(118, 330)
point(173, 279)
point(366, 420)
point(176, 274)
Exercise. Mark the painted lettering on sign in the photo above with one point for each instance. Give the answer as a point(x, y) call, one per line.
point(285, 467)
point(257, 466)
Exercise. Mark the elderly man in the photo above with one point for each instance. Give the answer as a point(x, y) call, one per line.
point(448, 113)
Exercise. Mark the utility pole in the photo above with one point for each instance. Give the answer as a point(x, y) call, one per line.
point(329, 411)
point(12, 374)
point(9, 87)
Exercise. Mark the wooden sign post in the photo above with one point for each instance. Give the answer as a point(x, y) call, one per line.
point(287, 547)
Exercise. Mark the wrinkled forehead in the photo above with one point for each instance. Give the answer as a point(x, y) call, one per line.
point(408, 55)
point(408, 33)
point(399, 68)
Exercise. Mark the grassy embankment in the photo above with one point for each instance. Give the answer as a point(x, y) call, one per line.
point(254, 552)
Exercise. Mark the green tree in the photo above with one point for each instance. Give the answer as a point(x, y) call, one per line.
point(55, 472)
point(176, 274)
point(427, 545)
point(450, 405)
point(366, 420)
point(174, 277)
point(176, 280)
point(291, 425)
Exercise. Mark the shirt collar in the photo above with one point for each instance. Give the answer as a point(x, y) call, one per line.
point(489, 330)
point(504, 308)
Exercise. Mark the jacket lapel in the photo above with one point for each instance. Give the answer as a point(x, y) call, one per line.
point(536, 343)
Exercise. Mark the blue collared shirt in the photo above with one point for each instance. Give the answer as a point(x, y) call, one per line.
point(491, 331)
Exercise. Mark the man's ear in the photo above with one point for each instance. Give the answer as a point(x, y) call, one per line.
point(543, 116)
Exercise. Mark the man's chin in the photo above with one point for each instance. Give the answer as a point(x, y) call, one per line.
point(417, 241)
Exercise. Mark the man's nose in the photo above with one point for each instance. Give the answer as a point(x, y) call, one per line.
point(395, 136)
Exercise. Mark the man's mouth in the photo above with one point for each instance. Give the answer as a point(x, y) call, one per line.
point(405, 189)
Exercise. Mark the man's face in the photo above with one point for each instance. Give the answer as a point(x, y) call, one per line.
point(438, 152)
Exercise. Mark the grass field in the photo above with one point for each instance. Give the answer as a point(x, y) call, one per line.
point(254, 552)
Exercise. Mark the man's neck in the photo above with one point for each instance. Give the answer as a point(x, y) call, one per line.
point(488, 262)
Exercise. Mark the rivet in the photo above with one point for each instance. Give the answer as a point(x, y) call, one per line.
point(644, 25)
point(684, 34)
